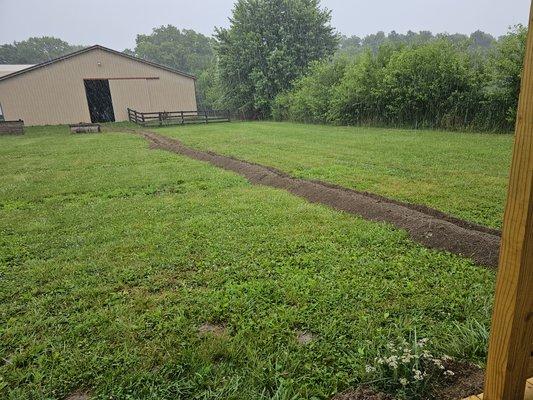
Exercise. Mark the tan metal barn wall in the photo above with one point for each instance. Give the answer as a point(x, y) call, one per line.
point(55, 94)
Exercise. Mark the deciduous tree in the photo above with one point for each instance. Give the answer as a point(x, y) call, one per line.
point(268, 45)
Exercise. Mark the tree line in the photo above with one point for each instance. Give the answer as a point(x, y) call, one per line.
point(282, 59)
point(437, 82)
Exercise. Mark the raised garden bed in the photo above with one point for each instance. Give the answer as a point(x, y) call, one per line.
point(84, 128)
point(12, 127)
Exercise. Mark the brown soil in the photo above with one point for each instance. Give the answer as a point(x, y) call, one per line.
point(304, 337)
point(79, 396)
point(467, 381)
point(425, 225)
point(213, 329)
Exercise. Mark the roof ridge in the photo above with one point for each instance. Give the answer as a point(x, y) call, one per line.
point(91, 48)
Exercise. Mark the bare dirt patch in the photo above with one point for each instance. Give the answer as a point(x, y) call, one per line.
point(79, 395)
point(304, 337)
point(467, 381)
point(430, 227)
point(213, 329)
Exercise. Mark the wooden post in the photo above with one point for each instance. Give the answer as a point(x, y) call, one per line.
point(511, 340)
point(182, 119)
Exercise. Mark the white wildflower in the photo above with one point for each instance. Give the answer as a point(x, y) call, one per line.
point(404, 381)
point(418, 375)
point(406, 358)
point(426, 354)
point(449, 373)
point(370, 368)
point(392, 362)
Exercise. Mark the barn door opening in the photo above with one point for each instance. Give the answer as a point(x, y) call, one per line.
point(99, 100)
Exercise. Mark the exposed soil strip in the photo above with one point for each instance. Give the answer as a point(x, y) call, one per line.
point(425, 225)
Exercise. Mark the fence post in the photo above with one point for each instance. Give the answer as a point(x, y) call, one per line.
point(160, 119)
point(205, 116)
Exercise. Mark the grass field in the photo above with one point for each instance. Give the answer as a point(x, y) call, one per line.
point(464, 174)
point(112, 255)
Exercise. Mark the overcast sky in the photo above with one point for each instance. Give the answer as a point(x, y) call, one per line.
point(115, 23)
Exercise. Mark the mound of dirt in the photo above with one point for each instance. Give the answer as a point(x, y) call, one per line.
point(430, 227)
point(467, 381)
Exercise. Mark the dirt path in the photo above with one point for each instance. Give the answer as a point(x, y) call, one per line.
point(425, 225)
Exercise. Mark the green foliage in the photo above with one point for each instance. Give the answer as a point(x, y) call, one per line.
point(268, 45)
point(309, 101)
point(424, 85)
point(185, 50)
point(505, 73)
point(464, 340)
point(437, 82)
point(478, 41)
point(357, 97)
point(209, 90)
point(35, 50)
point(112, 255)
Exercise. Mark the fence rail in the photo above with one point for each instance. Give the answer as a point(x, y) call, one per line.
point(160, 118)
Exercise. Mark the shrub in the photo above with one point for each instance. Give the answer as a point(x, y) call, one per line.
point(436, 84)
point(310, 99)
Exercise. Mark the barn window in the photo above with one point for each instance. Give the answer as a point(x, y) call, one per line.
point(1, 113)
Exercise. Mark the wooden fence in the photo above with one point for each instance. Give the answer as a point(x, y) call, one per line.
point(161, 118)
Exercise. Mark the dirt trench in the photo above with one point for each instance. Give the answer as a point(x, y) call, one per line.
point(427, 226)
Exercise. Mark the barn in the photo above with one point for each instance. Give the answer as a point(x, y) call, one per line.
point(95, 84)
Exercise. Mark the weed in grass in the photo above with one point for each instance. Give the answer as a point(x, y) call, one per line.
point(468, 340)
point(408, 370)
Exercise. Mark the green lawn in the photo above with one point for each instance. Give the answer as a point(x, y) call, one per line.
point(112, 255)
point(464, 174)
